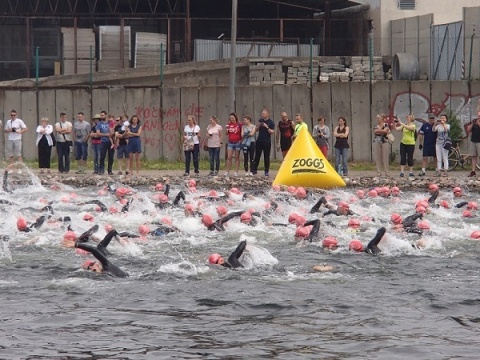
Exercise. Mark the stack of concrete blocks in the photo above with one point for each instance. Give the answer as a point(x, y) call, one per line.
point(266, 71)
point(85, 39)
point(299, 72)
point(110, 38)
point(361, 68)
point(334, 72)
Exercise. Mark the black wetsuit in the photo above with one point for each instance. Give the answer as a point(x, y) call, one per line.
point(218, 225)
point(100, 254)
point(314, 232)
point(101, 205)
point(372, 247)
point(86, 235)
point(233, 260)
point(316, 207)
point(410, 225)
point(431, 200)
point(461, 204)
point(6, 188)
point(180, 196)
point(35, 225)
point(163, 230)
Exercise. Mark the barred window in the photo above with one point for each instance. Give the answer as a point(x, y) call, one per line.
point(406, 4)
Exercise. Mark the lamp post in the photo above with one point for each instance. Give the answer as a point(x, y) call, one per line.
point(233, 55)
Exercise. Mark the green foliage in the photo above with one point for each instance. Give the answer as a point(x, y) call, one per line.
point(456, 131)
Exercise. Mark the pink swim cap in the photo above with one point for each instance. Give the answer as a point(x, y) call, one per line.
point(301, 193)
point(143, 230)
point(302, 232)
point(344, 205)
point(373, 193)
point(207, 220)
point(420, 210)
point(221, 210)
point(81, 252)
point(354, 223)
point(475, 235)
point(121, 192)
point(360, 194)
point(189, 209)
point(70, 236)
point(21, 224)
point(291, 189)
point(65, 199)
point(330, 242)
point(457, 191)
point(112, 210)
point(166, 220)
point(445, 204)
point(276, 188)
point(88, 217)
point(423, 203)
point(395, 190)
point(108, 227)
point(356, 245)
point(159, 187)
point(423, 225)
point(246, 217)
point(292, 218)
point(213, 259)
point(192, 183)
point(213, 193)
point(472, 205)
point(300, 220)
point(396, 218)
point(467, 213)
point(432, 188)
point(87, 264)
point(163, 198)
point(235, 190)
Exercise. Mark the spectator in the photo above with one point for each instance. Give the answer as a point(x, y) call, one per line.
point(214, 140)
point(103, 132)
point(134, 147)
point(426, 139)
point(265, 129)
point(14, 128)
point(44, 144)
point(121, 143)
point(300, 124)
point(64, 141)
point(442, 129)
point(285, 132)
point(248, 144)
point(81, 132)
point(341, 146)
point(233, 131)
point(321, 134)
point(111, 149)
point(474, 129)
point(191, 144)
point(407, 145)
point(381, 146)
point(96, 144)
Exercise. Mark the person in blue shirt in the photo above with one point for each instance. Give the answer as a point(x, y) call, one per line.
point(105, 134)
point(427, 139)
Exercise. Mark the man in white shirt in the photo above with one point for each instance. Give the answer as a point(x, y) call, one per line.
point(14, 128)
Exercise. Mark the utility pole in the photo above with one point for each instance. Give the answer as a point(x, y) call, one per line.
point(233, 55)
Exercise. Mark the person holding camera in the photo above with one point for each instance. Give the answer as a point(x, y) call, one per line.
point(14, 127)
point(381, 147)
point(407, 145)
point(474, 147)
point(442, 129)
point(321, 134)
point(427, 139)
point(265, 129)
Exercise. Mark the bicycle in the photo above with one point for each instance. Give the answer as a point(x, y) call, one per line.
point(455, 158)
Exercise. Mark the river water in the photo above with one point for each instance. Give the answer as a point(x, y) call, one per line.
point(403, 304)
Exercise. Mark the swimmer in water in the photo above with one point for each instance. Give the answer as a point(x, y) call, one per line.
point(101, 205)
point(342, 209)
point(100, 253)
point(233, 261)
point(372, 247)
point(309, 231)
point(211, 225)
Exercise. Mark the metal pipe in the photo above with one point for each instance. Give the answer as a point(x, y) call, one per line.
point(122, 44)
point(233, 55)
point(27, 45)
point(75, 39)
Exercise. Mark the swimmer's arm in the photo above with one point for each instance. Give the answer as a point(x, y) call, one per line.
point(97, 202)
point(330, 212)
point(434, 196)
point(315, 229)
point(39, 222)
point(372, 247)
point(462, 204)
point(102, 246)
point(167, 189)
point(236, 254)
point(86, 235)
point(230, 216)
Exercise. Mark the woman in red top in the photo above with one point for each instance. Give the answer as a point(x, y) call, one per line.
point(234, 135)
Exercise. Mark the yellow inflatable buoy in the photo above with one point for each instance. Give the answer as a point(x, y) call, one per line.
point(306, 166)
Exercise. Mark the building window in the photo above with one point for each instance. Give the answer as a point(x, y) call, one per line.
point(406, 4)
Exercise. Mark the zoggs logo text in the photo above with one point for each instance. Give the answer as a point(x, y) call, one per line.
point(308, 166)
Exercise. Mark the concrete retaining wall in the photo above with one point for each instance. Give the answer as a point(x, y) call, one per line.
point(162, 129)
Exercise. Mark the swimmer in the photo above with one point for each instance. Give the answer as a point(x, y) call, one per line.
point(309, 230)
point(103, 264)
point(207, 220)
point(164, 200)
point(233, 261)
point(6, 188)
point(372, 247)
point(101, 205)
point(23, 226)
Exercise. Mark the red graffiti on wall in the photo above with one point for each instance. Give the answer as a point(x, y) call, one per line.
point(164, 126)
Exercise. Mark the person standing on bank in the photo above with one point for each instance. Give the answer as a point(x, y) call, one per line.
point(300, 124)
point(81, 131)
point(427, 139)
point(234, 135)
point(14, 128)
point(96, 143)
point(285, 130)
point(44, 144)
point(321, 134)
point(103, 132)
point(474, 145)
point(341, 146)
point(265, 129)
point(248, 144)
point(111, 150)
point(121, 143)
point(134, 146)
point(64, 141)
point(191, 144)
point(381, 147)
point(213, 141)
point(407, 145)
point(442, 129)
